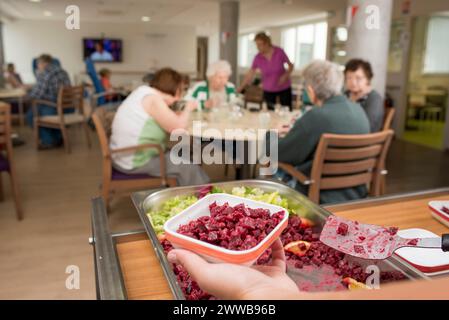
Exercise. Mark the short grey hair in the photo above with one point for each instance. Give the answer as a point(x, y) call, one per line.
point(221, 65)
point(325, 78)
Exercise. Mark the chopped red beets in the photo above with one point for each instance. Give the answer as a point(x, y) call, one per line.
point(359, 249)
point(235, 228)
point(342, 229)
point(392, 230)
point(445, 210)
point(319, 253)
point(413, 242)
point(204, 191)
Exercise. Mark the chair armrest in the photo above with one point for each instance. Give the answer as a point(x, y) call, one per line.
point(138, 148)
point(107, 93)
point(298, 175)
point(148, 146)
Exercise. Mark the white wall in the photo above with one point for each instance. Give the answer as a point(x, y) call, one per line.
point(145, 46)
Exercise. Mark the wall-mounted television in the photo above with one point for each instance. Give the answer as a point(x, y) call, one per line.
point(102, 50)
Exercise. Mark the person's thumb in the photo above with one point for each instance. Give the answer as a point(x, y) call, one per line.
point(193, 263)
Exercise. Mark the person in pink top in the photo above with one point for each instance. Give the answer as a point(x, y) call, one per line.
point(276, 69)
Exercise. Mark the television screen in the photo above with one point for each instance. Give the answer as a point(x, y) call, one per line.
point(103, 50)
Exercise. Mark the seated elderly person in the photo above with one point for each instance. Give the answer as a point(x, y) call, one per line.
point(358, 76)
point(12, 78)
point(332, 113)
point(145, 117)
point(216, 89)
point(49, 79)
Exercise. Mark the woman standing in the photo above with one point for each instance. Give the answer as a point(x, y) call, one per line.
point(145, 117)
point(272, 62)
point(358, 76)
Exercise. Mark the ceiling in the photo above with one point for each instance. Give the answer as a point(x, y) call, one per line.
point(203, 14)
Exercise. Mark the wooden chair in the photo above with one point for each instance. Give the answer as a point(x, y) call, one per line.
point(115, 181)
point(6, 161)
point(344, 161)
point(253, 94)
point(388, 118)
point(68, 98)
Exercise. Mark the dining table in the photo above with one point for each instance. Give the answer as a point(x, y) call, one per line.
point(8, 94)
point(244, 128)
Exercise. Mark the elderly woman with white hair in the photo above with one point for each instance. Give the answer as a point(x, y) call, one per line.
point(332, 113)
point(216, 89)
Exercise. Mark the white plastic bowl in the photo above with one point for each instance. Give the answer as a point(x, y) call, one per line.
point(214, 253)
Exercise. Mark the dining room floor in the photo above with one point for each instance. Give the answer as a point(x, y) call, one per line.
point(56, 188)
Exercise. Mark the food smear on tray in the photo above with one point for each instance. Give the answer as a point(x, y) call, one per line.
point(445, 210)
point(334, 269)
point(235, 228)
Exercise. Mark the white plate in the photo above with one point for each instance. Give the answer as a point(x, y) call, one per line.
point(425, 260)
point(437, 213)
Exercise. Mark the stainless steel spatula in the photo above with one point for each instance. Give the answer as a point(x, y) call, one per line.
point(372, 242)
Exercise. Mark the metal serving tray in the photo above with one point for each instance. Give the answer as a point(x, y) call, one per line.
point(147, 201)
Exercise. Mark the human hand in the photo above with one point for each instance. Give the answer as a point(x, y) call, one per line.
point(236, 282)
point(283, 130)
point(209, 104)
point(191, 105)
point(240, 89)
point(283, 79)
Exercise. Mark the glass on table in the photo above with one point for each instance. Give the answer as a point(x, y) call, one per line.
point(236, 112)
point(285, 115)
point(264, 119)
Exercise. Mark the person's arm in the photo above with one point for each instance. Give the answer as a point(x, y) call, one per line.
point(164, 116)
point(192, 95)
point(300, 141)
point(229, 281)
point(39, 89)
point(14, 81)
point(290, 67)
point(249, 76)
point(375, 111)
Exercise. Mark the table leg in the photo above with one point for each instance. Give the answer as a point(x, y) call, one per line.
point(21, 115)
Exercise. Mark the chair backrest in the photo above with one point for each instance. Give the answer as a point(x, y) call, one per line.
point(103, 124)
point(417, 100)
point(5, 127)
point(5, 122)
point(388, 118)
point(253, 94)
point(438, 100)
point(344, 161)
point(71, 97)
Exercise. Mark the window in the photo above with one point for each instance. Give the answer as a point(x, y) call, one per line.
point(437, 47)
point(305, 43)
point(247, 50)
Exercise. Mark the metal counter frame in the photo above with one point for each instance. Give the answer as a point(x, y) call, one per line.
point(108, 275)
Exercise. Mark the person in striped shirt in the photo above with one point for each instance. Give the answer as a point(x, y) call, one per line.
point(216, 89)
